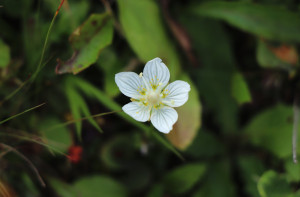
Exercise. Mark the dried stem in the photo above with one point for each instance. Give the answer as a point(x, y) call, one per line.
point(9, 148)
point(116, 22)
point(295, 130)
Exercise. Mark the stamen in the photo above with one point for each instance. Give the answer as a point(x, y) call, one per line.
point(133, 100)
point(167, 102)
point(144, 80)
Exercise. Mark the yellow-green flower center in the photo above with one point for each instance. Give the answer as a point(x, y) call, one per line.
point(153, 98)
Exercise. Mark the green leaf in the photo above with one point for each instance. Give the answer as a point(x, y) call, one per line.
point(87, 41)
point(213, 79)
point(78, 106)
point(189, 119)
point(4, 54)
point(183, 178)
point(267, 59)
point(272, 184)
point(90, 187)
point(271, 129)
point(240, 89)
point(218, 181)
point(99, 186)
point(271, 22)
point(30, 188)
point(293, 170)
point(146, 34)
point(58, 138)
point(250, 170)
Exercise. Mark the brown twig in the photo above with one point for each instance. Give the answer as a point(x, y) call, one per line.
point(11, 149)
point(116, 22)
point(180, 34)
point(61, 3)
point(2, 154)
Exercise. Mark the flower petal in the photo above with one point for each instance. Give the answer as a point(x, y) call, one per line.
point(164, 118)
point(130, 84)
point(137, 110)
point(156, 72)
point(177, 93)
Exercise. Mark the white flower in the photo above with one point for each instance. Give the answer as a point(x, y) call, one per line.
point(152, 98)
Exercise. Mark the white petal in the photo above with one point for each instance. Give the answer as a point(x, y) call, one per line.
point(164, 118)
point(156, 72)
point(138, 111)
point(177, 93)
point(129, 84)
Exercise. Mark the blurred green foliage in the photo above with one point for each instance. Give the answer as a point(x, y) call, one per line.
point(233, 137)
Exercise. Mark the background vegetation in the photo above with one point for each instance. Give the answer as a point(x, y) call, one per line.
point(62, 129)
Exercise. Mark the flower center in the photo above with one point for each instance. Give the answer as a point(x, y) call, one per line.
point(153, 98)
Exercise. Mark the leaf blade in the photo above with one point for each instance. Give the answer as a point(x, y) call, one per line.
point(88, 40)
point(269, 22)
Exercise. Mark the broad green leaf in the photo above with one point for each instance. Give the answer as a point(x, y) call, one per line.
point(268, 59)
point(59, 138)
point(87, 41)
point(89, 187)
point(250, 170)
point(240, 89)
point(146, 34)
point(4, 54)
point(99, 186)
point(272, 184)
point(218, 182)
point(272, 129)
point(292, 170)
point(186, 128)
point(271, 22)
point(183, 178)
point(148, 38)
point(213, 79)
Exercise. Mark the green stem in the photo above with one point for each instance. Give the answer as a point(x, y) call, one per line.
point(81, 119)
point(19, 114)
point(44, 49)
